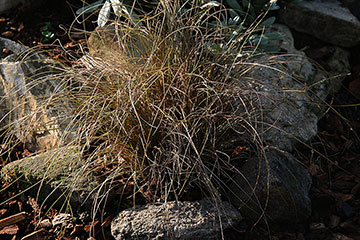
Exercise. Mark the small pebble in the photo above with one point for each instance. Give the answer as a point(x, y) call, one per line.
point(63, 219)
point(46, 223)
point(8, 34)
point(6, 51)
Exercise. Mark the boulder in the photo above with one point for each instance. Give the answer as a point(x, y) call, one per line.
point(273, 186)
point(326, 20)
point(28, 83)
point(15, 51)
point(56, 176)
point(171, 220)
point(290, 92)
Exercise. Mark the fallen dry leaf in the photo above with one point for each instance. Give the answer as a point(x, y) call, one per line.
point(10, 230)
point(107, 221)
point(6, 51)
point(46, 223)
point(21, 27)
point(3, 212)
point(8, 34)
point(313, 169)
point(77, 229)
point(90, 226)
point(339, 236)
point(334, 221)
point(34, 205)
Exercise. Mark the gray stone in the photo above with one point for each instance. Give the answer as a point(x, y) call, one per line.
point(326, 20)
point(28, 82)
point(46, 223)
point(171, 220)
point(57, 175)
point(289, 92)
point(64, 220)
point(274, 185)
point(16, 50)
point(353, 6)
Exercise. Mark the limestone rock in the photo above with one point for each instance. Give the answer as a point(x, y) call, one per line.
point(326, 20)
point(17, 51)
point(353, 6)
point(54, 164)
point(171, 220)
point(56, 174)
point(276, 185)
point(28, 81)
point(290, 92)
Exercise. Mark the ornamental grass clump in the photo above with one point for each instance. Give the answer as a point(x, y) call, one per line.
point(161, 104)
point(157, 102)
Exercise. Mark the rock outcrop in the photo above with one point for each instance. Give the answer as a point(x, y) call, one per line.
point(58, 177)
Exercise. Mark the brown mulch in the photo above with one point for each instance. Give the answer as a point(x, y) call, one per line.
point(333, 162)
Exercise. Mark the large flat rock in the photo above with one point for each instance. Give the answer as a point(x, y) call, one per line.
point(326, 20)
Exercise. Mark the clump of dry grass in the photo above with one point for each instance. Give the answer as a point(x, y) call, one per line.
point(164, 106)
point(159, 107)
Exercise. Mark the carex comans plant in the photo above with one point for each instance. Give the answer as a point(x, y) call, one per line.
point(156, 108)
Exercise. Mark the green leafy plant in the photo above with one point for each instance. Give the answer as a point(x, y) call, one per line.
point(105, 8)
point(47, 31)
point(242, 15)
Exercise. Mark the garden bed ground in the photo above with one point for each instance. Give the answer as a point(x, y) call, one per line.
point(334, 161)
